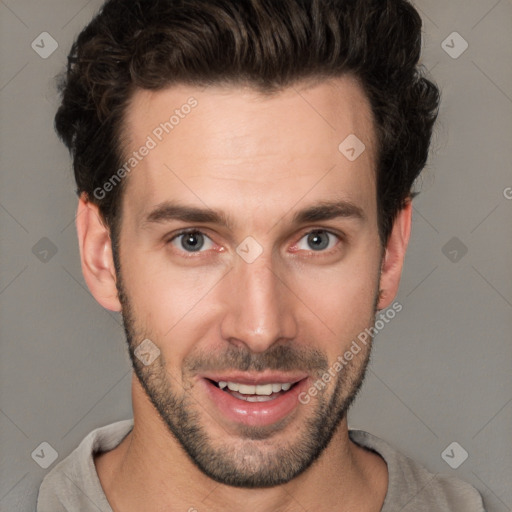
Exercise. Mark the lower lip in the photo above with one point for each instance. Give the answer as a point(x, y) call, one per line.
point(255, 413)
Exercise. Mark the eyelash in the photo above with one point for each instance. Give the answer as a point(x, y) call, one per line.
point(194, 230)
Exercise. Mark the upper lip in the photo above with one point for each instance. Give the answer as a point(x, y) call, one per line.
point(255, 379)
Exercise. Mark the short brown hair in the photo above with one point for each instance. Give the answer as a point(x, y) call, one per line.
point(268, 44)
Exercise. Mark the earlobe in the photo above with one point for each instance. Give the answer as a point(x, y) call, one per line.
point(96, 255)
point(394, 255)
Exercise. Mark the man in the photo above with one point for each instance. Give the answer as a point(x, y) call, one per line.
point(245, 171)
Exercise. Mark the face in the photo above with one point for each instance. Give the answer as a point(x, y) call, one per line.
point(249, 255)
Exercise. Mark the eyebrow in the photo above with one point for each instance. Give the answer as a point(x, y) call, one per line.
point(326, 210)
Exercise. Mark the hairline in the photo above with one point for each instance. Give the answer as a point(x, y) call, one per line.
point(240, 84)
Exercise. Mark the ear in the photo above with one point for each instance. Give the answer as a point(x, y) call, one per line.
point(96, 255)
point(394, 255)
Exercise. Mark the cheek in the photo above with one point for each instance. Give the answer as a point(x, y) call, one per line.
point(171, 303)
point(341, 298)
point(159, 285)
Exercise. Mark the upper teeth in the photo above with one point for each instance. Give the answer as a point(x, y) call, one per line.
point(261, 389)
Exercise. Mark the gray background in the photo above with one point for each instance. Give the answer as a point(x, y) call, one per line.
point(441, 369)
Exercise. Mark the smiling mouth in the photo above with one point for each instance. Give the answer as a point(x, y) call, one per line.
point(255, 393)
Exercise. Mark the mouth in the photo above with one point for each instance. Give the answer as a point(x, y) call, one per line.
point(255, 393)
point(254, 400)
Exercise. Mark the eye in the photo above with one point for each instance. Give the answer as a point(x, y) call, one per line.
point(191, 241)
point(318, 240)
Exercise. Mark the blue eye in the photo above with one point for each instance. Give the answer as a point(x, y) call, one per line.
point(191, 241)
point(319, 240)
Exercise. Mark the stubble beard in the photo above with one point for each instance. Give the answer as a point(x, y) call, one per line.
point(253, 459)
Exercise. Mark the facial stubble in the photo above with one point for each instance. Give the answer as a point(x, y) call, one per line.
point(254, 459)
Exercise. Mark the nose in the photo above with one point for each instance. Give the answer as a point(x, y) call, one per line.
point(259, 306)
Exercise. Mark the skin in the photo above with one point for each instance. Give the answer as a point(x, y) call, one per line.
point(260, 159)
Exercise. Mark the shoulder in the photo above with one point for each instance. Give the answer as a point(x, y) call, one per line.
point(412, 487)
point(73, 484)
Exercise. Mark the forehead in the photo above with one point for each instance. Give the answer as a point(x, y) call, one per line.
point(232, 146)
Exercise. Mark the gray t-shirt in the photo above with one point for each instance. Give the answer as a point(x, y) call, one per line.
point(73, 484)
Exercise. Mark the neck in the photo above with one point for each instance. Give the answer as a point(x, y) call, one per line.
point(150, 471)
